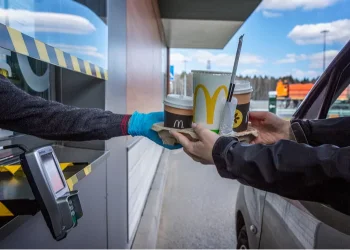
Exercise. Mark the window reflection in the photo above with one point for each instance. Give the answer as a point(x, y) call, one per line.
point(27, 74)
point(341, 106)
point(66, 24)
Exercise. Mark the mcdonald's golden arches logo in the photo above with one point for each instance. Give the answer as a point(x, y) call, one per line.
point(210, 101)
point(179, 124)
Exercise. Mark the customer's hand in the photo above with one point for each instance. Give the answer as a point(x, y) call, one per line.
point(270, 127)
point(200, 151)
point(141, 125)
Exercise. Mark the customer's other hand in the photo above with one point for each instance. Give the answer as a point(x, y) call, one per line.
point(270, 127)
point(200, 151)
point(141, 125)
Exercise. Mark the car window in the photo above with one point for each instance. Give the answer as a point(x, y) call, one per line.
point(341, 106)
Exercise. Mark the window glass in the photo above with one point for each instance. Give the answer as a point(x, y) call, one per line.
point(26, 73)
point(341, 106)
point(77, 27)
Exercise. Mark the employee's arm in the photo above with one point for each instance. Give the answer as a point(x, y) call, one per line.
point(27, 114)
point(24, 113)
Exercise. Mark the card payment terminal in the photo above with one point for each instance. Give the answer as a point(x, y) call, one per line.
point(60, 207)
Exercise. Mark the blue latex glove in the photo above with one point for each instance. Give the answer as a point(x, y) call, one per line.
point(141, 125)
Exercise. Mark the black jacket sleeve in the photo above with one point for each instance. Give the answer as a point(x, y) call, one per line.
point(290, 169)
point(334, 131)
point(27, 114)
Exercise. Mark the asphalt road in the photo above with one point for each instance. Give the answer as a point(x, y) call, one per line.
point(198, 207)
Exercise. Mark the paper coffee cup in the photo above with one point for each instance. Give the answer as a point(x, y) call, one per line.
point(210, 90)
point(243, 91)
point(178, 111)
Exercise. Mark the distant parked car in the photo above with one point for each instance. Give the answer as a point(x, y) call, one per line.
point(267, 220)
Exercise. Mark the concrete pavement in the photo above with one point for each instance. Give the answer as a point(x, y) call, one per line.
point(198, 207)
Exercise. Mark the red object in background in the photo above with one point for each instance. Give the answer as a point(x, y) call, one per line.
point(298, 91)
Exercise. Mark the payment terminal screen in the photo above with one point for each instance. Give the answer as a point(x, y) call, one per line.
point(52, 172)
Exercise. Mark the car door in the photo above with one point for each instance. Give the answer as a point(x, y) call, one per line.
point(299, 224)
point(250, 204)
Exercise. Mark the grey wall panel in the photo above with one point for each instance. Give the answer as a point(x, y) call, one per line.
point(116, 102)
point(91, 231)
point(81, 91)
point(143, 159)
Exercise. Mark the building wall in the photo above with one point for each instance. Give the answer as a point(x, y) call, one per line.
point(115, 101)
point(146, 66)
point(146, 57)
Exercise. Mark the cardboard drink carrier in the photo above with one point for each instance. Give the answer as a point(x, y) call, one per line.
point(164, 133)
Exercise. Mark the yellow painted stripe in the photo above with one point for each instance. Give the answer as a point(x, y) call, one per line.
point(70, 184)
point(42, 51)
point(17, 41)
point(65, 165)
point(74, 179)
point(20, 47)
point(75, 63)
point(87, 170)
point(98, 73)
point(60, 58)
point(13, 168)
point(4, 210)
point(87, 68)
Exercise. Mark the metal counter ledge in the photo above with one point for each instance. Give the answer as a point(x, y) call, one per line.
point(17, 203)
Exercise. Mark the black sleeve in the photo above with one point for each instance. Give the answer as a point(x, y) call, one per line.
point(27, 114)
point(290, 169)
point(335, 131)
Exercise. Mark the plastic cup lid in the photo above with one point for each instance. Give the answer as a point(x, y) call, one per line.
point(210, 72)
point(179, 101)
point(242, 87)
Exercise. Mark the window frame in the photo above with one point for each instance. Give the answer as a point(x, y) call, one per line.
point(327, 89)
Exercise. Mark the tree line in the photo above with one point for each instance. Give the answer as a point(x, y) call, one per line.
point(261, 84)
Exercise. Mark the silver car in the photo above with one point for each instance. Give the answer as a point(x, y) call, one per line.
point(267, 220)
